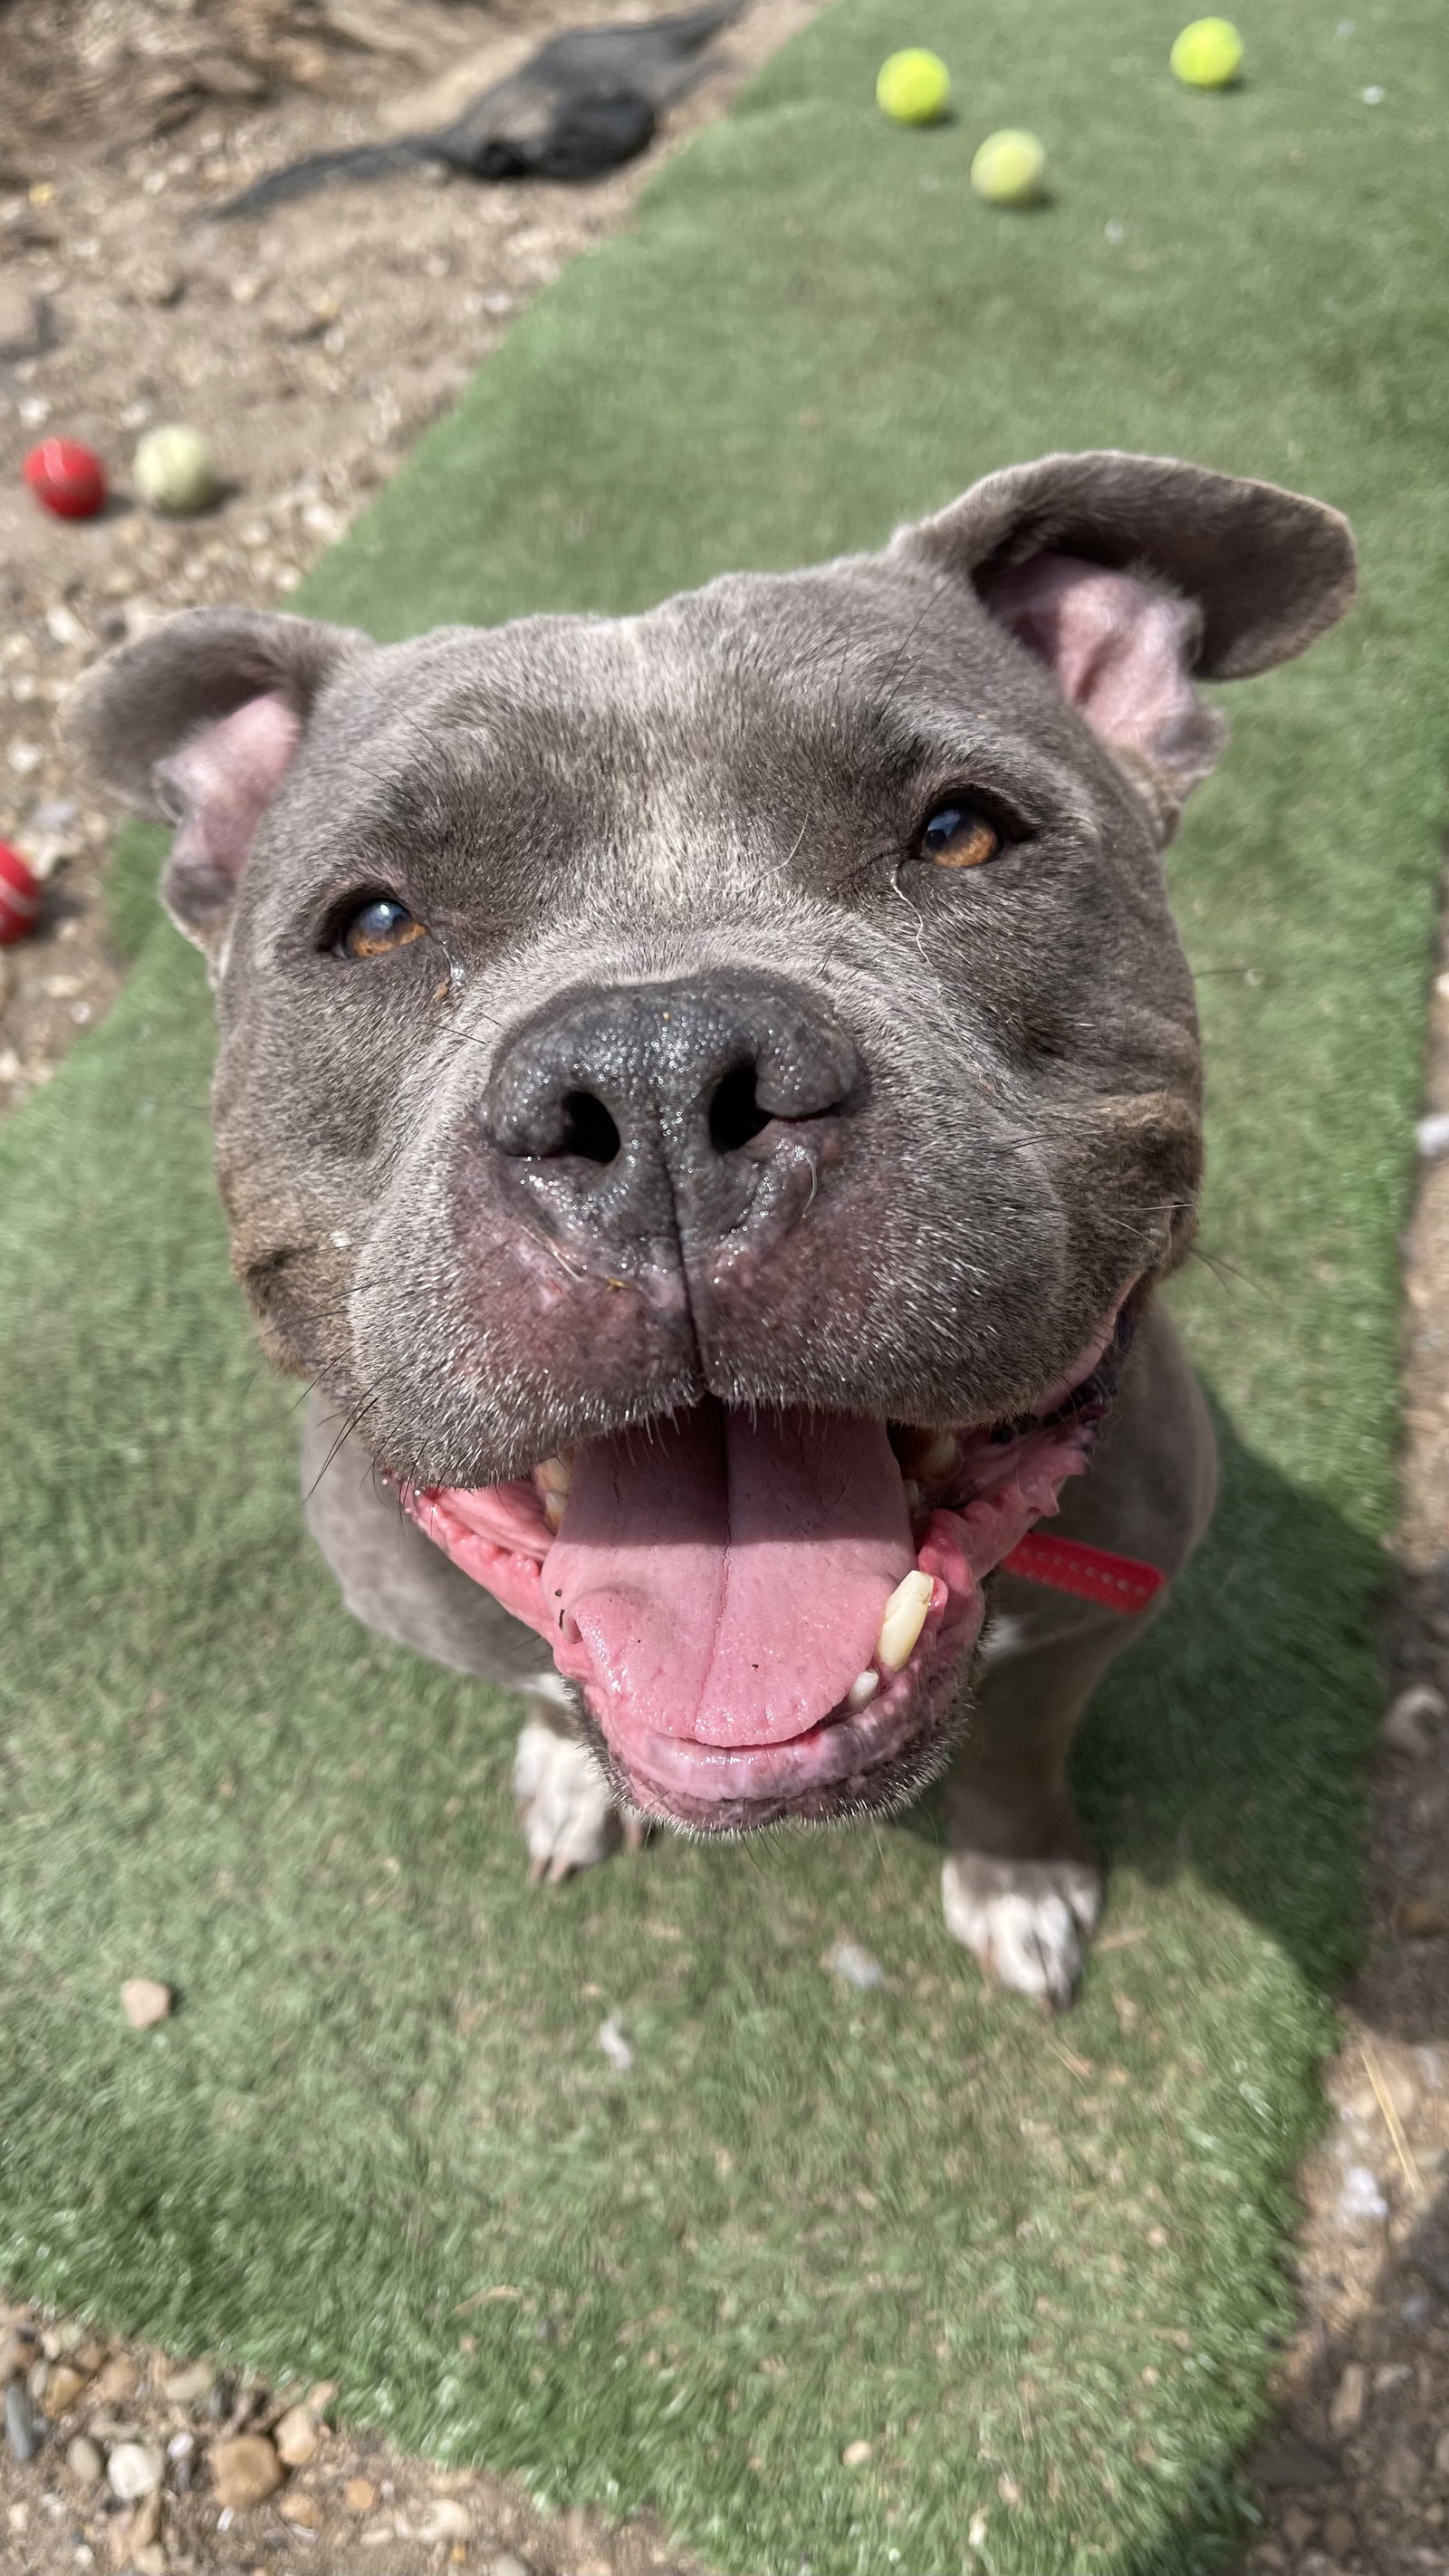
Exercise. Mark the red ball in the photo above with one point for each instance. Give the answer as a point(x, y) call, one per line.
point(66, 478)
point(19, 896)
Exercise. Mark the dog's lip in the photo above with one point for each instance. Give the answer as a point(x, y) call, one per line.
point(848, 1758)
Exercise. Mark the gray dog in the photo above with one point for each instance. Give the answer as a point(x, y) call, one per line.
point(707, 1099)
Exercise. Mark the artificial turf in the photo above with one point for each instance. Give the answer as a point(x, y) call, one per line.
point(1035, 2269)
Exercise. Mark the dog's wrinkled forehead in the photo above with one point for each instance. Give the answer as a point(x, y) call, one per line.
point(762, 708)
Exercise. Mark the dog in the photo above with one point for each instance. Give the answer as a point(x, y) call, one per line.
point(708, 1100)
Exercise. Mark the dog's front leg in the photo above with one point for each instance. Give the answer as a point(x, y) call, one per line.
point(1020, 1887)
point(564, 1803)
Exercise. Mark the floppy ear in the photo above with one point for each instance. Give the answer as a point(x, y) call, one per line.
point(1133, 576)
point(196, 723)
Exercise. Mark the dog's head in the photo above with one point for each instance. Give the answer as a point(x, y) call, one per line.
point(704, 1090)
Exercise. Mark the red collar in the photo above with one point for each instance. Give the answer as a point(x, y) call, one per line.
point(1092, 1573)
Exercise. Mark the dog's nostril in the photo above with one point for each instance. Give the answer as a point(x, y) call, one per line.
point(588, 1128)
point(735, 1114)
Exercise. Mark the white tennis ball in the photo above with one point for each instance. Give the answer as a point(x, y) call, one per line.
point(174, 472)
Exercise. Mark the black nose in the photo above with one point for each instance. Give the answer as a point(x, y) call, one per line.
point(640, 1112)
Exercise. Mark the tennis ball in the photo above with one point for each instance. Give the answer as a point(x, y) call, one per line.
point(1208, 54)
point(1009, 168)
point(173, 470)
point(912, 88)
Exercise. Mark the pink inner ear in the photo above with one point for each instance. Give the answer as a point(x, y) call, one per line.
point(1119, 650)
point(225, 779)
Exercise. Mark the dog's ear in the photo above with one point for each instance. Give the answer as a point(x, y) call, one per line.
point(1133, 576)
point(196, 723)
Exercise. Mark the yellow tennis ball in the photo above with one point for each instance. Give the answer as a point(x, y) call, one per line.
point(173, 470)
point(912, 88)
point(1009, 168)
point(1208, 54)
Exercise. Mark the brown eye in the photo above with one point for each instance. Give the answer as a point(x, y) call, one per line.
point(377, 926)
point(959, 836)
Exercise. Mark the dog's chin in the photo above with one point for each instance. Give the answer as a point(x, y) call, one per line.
point(854, 1763)
point(770, 1613)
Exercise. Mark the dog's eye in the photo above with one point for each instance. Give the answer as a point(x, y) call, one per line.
point(959, 836)
point(377, 926)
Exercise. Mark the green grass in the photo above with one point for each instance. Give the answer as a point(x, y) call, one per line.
point(806, 2217)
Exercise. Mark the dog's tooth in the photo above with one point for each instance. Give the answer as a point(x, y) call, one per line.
point(913, 1496)
point(553, 1510)
point(940, 1460)
point(905, 1617)
point(555, 1475)
point(863, 1689)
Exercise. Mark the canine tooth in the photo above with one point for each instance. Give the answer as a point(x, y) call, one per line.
point(863, 1689)
point(553, 1510)
point(555, 1475)
point(913, 1495)
point(905, 1617)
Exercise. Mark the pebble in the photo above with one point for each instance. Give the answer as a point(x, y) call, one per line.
point(1340, 2535)
point(17, 2351)
point(145, 2002)
point(304, 2510)
point(191, 2385)
point(245, 2471)
point(84, 2461)
point(446, 2520)
point(1345, 2414)
point(63, 2386)
point(855, 2455)
point(134, 2469)
point(614, 2045)
point(144, 2525)
point(1361, 2196)
point(23, 2429)
point(118, 2382)
point(1412, 1718)
point(505, 2564)
point(359, 2495)
point(1432, 1135)
point(297, 2436)
point(855, 1966)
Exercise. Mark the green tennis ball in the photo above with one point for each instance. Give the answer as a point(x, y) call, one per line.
point(912, 88)
point(173, 471)
point(1009, 168)
point(1208, 54)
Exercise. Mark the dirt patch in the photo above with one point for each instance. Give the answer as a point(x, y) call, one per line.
point(164, 2468)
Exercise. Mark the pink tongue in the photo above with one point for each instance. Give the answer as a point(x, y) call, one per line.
point(728, 1574)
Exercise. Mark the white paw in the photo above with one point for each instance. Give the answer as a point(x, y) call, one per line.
point(564, 1806)
point(1026, 1920)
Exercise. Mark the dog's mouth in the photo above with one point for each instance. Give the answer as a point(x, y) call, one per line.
point(764, 1612)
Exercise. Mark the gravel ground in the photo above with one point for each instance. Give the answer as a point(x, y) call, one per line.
point(311, 348)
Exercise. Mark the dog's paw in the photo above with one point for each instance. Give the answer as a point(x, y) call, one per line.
point(1026, 1920)
point(568, 1817)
